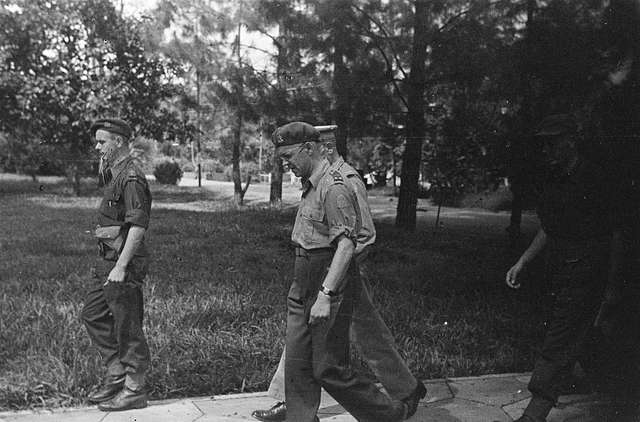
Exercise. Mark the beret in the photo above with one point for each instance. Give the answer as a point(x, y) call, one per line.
point(294, 133)
point(557, 124)
point(327, 132)
point(117, 126)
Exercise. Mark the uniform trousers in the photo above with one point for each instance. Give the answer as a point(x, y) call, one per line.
point(578, 271)
point(375, 344)
point(113, 317)
point(318, 356)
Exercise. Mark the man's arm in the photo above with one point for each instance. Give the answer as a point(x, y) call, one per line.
point(131, 245)
point(341, 214)
point(537, 244)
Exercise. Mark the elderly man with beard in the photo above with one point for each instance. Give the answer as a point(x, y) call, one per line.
point(113, 309)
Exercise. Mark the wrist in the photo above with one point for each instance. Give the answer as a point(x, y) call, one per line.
point(324, 291)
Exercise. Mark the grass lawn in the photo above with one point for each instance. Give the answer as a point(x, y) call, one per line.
point(215, 296)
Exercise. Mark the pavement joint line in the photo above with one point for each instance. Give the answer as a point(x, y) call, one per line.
point(202, 414)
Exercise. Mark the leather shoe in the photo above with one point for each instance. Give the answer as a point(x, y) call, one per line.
point(277, 413)
point(105, 392)
point(126, 399)
point(414, 398)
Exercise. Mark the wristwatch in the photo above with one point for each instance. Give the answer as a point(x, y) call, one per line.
point(327, 292)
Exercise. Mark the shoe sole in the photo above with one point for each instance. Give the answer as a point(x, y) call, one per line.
point(125, 408)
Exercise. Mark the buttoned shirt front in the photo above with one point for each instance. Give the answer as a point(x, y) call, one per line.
point(328, 209)
point(126, 200)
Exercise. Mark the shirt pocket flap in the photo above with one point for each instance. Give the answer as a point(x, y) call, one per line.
point(107, 232)
point(313, 214)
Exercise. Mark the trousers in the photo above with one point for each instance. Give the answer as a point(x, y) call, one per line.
point(318, 356)
point(113, 317)
point(578, 277)
point(376, 345)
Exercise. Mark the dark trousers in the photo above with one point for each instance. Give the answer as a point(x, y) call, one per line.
point(578, 276)
point(318, 356)
point(113, 316)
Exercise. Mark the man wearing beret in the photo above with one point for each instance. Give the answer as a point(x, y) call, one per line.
point(576, 228)
point(113, 309)
point(369, 333)
point(321, 298)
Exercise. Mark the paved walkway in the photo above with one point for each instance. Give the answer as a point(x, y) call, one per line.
point(493, 398)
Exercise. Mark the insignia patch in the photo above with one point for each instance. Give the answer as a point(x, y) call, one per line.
point(337, 177)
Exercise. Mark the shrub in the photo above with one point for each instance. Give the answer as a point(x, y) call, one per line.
point(167, 173)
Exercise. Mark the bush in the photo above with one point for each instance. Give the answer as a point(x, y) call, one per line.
point(167, 173)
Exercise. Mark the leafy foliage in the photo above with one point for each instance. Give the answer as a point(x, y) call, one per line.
point(167, 172)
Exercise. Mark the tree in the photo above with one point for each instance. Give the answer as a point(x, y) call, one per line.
point(66, 63)
point(416, 125)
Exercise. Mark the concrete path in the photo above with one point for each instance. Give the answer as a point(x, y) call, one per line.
point(493, 398)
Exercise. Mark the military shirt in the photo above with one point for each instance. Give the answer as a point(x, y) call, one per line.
point(327, 210)
point(578, 206)
point(367, 233)
point(126, 200)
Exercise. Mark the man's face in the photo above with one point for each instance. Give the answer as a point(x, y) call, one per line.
point(297, 158)
point(558, 152)
point(107, 145)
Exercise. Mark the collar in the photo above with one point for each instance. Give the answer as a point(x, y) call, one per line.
point(119, 163)
point(317, 174)
point(337, 164)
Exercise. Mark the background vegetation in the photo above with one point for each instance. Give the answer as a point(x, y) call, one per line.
point(215, 295)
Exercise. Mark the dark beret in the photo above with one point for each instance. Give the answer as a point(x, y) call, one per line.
point(294, 133)
point(117, 126)
point(557, 124)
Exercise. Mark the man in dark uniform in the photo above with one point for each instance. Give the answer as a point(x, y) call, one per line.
point(369, 333)
point(576, 229)
point(113, 309)
point(321, 297)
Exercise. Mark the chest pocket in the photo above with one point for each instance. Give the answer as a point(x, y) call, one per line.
point(314, 228)
point(111, 206)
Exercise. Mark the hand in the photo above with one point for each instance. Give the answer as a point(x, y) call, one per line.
point(512, 275)
point(116, 275)
point(321, 310)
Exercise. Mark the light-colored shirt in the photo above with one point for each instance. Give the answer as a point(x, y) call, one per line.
point(327, 210)
point(367, 234)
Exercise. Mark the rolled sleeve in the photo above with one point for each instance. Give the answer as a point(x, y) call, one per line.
point(342, 213)
point(137, 208)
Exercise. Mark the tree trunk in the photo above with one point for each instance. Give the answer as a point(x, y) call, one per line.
point(275, 197)
point(238, 193)
point(416, 125)
point(341, 86)
point(518, 185)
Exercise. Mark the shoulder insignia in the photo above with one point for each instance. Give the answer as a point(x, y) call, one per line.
point(337, 177)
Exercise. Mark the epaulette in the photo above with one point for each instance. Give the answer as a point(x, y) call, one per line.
point(337, 177)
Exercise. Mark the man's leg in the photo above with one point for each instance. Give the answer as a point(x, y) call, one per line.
point(98, 321)
point(277, 412)
point(577, 290)
point(276, 387)
point(330, 341)
point(376, 344)
point(127, 306)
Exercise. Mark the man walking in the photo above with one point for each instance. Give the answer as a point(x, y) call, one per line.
point(576, 226)
point(369, 332)
point(321, 298)
point(113, 309)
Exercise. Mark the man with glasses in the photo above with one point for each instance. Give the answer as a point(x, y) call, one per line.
point(321, 298)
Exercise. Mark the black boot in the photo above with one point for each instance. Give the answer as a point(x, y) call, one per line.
point(126, 399)
point(277, 413)
point(106, 391)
